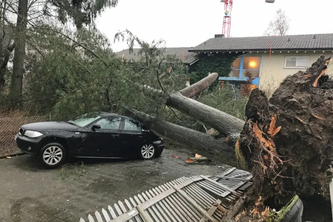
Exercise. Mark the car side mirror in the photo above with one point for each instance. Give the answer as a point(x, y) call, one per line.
point(144, 129)
point(95, 127)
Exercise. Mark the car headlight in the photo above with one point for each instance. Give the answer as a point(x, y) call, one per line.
point(32, 134)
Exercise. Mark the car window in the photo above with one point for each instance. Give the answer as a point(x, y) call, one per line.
point(84, 121)
point(109, 123)
point(132, 125)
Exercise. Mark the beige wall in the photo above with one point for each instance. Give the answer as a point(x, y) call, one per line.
point(272, 73)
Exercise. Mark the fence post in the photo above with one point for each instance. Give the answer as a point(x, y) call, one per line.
point(331, 196)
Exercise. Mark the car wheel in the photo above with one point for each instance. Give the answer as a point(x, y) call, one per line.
point(52, 155)
point(147, 151)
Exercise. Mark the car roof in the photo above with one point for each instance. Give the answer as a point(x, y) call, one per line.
point(106, 114)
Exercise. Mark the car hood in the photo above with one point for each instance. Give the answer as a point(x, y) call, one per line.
point(49, 126)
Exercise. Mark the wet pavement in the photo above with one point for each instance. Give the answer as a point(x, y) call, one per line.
point(32, 194)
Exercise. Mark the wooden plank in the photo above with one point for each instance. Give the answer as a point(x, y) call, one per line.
point(197, 197)
point(106, 215)
point(130, 207)
point(220, 185)
point(189, 199)
point(191, 211)
point(134, 204)
point(237, 186)
point(165, 194)
point(124, 210)
point(240, 175)
point(165, 206)
point(232, 178)
point(127, 216)
point(331, 195)
point(172, 208)
point(154, 208)
point(143, 214)
point(117, 208)
point(229, 171)
point(113, 214)
point(151, 209)
point(90, 218)
point(204, 193)
point(160, 207)
point(186, 209)
point(98, 217)
point(174, 204)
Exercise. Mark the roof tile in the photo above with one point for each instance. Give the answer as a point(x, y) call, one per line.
point(288, 42)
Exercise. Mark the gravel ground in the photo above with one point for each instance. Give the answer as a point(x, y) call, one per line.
point(30, 193)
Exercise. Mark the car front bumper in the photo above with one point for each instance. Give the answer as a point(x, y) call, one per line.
point(159, 146)
point(27, 145)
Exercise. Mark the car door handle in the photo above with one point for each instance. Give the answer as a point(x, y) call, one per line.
point(115, 135)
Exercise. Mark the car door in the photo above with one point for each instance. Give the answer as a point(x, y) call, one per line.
point(131, 137)
point(103, 141)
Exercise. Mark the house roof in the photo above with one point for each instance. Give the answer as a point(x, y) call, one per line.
point(262, 43)
point(181, 53)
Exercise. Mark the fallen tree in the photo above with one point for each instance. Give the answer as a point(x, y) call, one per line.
point(286, 141)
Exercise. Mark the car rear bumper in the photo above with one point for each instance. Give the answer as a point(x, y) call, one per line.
point(27, 145)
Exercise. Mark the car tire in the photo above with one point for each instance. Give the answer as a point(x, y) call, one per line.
point(52, 155)
point(147, 152)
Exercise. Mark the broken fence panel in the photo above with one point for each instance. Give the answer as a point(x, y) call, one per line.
point(188, 199)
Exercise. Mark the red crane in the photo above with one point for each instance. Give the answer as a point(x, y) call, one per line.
point(227, 17)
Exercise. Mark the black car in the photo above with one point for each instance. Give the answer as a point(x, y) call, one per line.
point(98, 135)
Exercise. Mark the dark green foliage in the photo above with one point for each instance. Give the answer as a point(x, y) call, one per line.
point(78, 73)
point(226, 100)
point(80, 11)
point(209, 63)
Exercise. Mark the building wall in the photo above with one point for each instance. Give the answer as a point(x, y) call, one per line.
point(272, 72)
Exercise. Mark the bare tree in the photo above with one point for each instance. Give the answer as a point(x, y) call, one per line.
point(280, 25)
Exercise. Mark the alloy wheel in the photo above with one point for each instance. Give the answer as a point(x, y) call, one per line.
point(147, 151)
point(52, 155)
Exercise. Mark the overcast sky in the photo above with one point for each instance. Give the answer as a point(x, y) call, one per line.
point(187, 23)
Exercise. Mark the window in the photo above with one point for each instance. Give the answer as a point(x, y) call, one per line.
point(296, 61)
point(243, 65)
point(112, 123)
point(132, 125)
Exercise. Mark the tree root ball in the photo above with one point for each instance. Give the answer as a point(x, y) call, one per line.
point(287, 140)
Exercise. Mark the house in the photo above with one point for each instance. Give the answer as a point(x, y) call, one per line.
point(182, 53)
point(269, 59)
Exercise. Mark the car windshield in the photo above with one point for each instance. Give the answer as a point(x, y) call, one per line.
point(84, 120)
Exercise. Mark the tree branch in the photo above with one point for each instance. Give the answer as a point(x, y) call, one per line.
point(200, 86)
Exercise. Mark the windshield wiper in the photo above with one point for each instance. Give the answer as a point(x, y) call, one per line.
point(71, 123)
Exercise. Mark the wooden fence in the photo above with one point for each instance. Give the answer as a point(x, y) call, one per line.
point(199, 198)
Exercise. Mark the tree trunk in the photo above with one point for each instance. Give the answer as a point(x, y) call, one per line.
point(19, 54)
point(197, 141)
point(221, 121)
point(287, 141)
point(4, 63)
point(226, 124)
point(200, 86)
